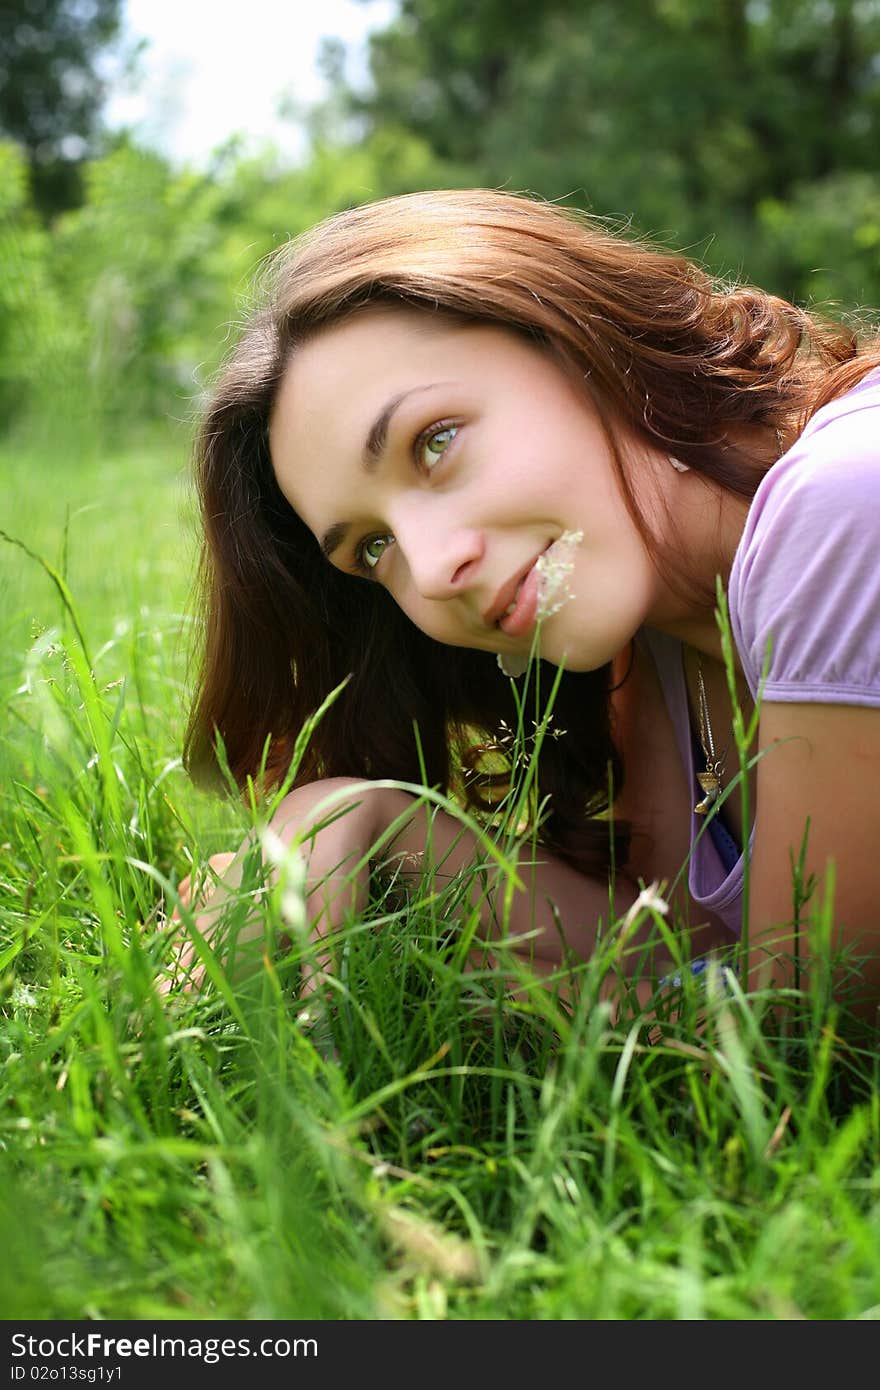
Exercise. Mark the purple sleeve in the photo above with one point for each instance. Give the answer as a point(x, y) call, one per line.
point(806, 575)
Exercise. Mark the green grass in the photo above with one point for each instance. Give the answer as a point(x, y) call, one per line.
point(435, 1145)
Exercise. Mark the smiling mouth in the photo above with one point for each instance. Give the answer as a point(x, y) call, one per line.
point(520, 615)
point(494, 617)
point(544, 587)
point(511, 607)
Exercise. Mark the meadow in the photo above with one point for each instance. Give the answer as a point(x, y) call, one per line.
point(435, 1144)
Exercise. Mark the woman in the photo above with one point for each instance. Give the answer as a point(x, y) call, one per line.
point(467, 427)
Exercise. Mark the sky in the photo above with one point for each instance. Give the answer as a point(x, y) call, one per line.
point(211, 70)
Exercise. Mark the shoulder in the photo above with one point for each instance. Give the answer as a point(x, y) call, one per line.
point(805, 581)
point(835, 460)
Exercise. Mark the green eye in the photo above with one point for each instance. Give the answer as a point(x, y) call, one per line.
point(373, 549)
point(436, 444)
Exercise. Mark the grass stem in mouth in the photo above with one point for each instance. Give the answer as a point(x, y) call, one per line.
point(554, 567)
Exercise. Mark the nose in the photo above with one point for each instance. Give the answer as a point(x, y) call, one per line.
point(441, 554)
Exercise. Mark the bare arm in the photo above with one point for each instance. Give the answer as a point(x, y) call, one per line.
point(548, 907)
point(341, 828)
point(823, 764)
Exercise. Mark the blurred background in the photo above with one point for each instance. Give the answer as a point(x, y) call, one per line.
point(152, 152)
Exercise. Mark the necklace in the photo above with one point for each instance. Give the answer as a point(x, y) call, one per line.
point(712, 778)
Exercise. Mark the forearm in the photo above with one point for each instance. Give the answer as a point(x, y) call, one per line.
point(340, 829)
point(544, 904)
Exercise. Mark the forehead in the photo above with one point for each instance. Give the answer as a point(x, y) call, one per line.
point(347, 369)
point(335, 383)
point(332, 392)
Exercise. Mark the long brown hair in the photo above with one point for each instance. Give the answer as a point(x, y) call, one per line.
point(722, 376)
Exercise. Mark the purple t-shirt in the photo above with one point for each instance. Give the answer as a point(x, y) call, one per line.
point(806, 578)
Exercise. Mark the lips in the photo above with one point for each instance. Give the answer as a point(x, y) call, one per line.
point(508, 594)
point(522, 617)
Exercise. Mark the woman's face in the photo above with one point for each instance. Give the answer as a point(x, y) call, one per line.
point(442, 462)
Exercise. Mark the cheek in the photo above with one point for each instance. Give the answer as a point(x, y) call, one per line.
point(563, 462)
point(435, 620)
point(421, 614)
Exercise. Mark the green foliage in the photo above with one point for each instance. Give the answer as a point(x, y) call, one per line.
point(129, 263)
point(51, 90)
point(34, 333)
point(747, 133)
point(449, 1137)
point(690, 120)
point(823, 244)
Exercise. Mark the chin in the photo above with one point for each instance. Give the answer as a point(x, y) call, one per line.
point(573, 664)
point(570, 660)
point(575, 657)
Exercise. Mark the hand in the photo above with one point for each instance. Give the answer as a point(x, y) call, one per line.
point(196, 891)
point(217, 866)
point(333, 824)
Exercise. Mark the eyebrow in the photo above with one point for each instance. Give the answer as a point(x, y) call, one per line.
point(371, 456)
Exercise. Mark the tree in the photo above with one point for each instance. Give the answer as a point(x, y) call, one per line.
point(51, 91)
point(696, 122)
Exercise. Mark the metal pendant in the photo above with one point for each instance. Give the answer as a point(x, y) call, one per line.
point(710, 782)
